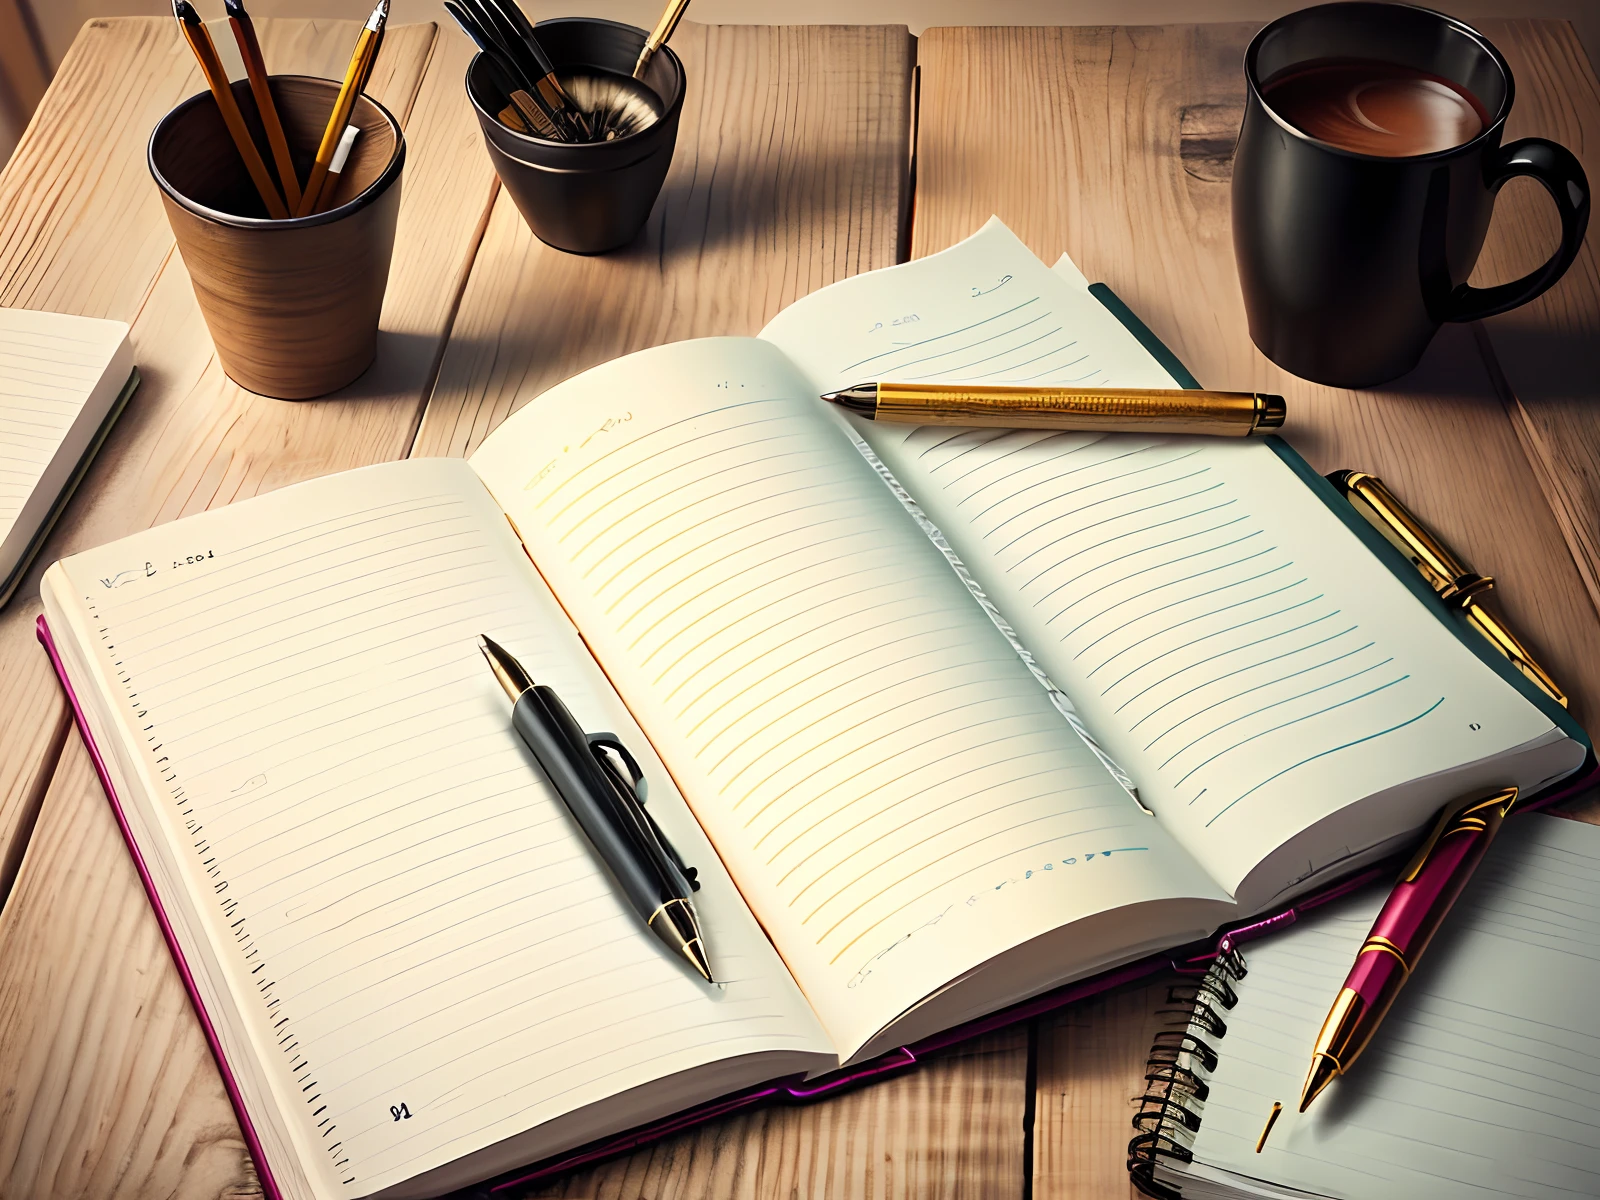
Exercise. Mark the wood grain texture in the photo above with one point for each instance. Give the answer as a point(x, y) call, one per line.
point(1115, 144)
point(1547, 350)
point(191, 439)
point(949, 1131)
point(108, 1088)
point(1090, 1074)
point(788, 175)
point(82, 1116)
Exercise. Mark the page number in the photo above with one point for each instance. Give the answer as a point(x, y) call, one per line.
point(399, 1112)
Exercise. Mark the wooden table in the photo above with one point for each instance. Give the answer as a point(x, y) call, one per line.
point(791, 171)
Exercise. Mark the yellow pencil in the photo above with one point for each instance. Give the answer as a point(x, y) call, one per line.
point(355, 77)
point(255, 68)
point(194, 32)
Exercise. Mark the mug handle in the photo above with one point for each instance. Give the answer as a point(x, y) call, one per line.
point(1558, 169)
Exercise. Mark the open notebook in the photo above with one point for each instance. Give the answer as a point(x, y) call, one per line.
point(414, 969)
point(1481, 1082)
point(63, 381)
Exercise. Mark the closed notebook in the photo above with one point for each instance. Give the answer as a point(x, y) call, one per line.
point(1480, 1083)
point(889, 687)
point(62, 381)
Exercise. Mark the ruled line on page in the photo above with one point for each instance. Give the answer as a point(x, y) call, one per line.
point(821, 664)
point(341, 763)
point(1172, 599)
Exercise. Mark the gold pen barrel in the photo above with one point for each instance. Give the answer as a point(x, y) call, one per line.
point(1090, 410)
point(1450, 578)
point(1510, 645)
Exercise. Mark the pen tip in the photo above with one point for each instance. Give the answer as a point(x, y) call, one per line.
point(1324, 1070)
point(861, 399)
point(697, 955)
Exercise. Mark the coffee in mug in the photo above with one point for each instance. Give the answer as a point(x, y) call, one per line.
point(1375, 107)
point(1363, 184)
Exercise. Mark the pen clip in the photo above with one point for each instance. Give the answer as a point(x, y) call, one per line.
point(1451, 579)
point(600, 743)
point(1505, 799)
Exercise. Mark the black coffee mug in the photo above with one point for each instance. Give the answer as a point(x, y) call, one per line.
point(1350, 262)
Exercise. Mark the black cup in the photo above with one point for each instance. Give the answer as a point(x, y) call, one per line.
point(1350, 262)
point(590, 197)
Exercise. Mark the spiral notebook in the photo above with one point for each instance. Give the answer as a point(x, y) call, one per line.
point(897, 728)
point(1481, 1084)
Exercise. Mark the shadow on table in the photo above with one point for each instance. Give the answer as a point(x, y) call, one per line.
point(1546, 363)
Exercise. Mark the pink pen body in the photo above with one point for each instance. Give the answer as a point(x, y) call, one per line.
point(1406, 924)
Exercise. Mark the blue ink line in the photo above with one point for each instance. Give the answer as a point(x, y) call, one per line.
point(1158, 587)
point(1132, 512)
point(1182, 537)
point(1240, 671)
point(1150, 662)
point(1296, 721)
point(1117, 537)
point(1271, 637)
point(1325, 754)
point(1277, 704)
point(1200, 712)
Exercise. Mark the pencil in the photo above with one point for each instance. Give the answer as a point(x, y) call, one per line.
point(336, 167)
point(255, 67)
point(194, 32)
point(355, 76)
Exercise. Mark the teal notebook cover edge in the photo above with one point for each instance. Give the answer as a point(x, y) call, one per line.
point(1374, 541)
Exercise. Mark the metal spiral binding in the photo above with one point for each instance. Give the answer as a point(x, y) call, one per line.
point(1181, 1056)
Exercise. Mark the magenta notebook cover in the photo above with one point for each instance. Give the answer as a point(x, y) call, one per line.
point(1192, 961)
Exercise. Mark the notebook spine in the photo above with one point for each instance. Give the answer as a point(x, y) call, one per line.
point(1182, 1057)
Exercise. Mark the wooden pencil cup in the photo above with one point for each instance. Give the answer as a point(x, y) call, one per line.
point(292, 305)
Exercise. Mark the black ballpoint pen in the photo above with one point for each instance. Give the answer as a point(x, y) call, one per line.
point(608, 810)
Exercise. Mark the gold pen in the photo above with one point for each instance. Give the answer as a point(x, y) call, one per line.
point(1450, 578)
point(1103, 410)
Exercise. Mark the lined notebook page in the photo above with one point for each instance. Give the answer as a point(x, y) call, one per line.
point(890, 787)
point(50, 369)
point(411, 921)
point(1241, 655)
point(1481, 1082)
